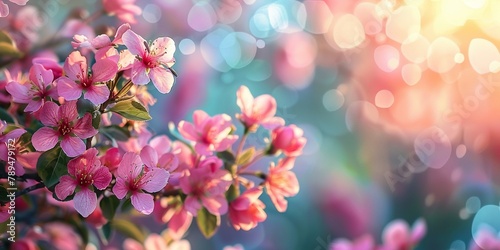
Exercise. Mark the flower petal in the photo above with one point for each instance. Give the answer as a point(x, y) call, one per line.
point(49, 115)
point(149, 156)
point(45, 139)
point(68, 111)
point(188, 131)
point(41, 76)
point(143, 202)
point(244, 100)
point(85, 202)
point(139, 74)
point(102, 178)
point(66, 187)
point(120, 189)
point(75, 66)
point(83, 127)
point(130, 166)
point(19, 92)
point(97, 94)
point(72, 146)
point(104, 70)
point(162, 78)
point(68, 89)
point(154, 180)
point(134, 42)
point(4, 9)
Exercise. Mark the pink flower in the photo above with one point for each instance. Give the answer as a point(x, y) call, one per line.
point(205, 187)
point(246, 211)
point(111, 159)
point(258, 111)
point(101, 41)
point(12, 134)
point(209, 133)
point(36, 91)
point(78, 79)
point(24, 244)
point(154, 61)
point(132, 176)
point(63, 124)
point(398, 236)
point(125, 10)
point(24, 158)
point(84, 171)
point(4, 8)
point(170, 210)
point(281, 183)
point(288, 139)
point(363, 243)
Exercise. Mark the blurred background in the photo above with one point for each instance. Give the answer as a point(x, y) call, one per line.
point(398, 101)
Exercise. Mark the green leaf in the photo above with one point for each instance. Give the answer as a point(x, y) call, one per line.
point(52, 165)
point(126, 206)
point(115, 132)
point(4, 115)
point(107, 231)
point(128, 229)
point(131, 110)
point(246, 156)
point(207, 222)
point(3, 195)
point(7, 49)
point(228, 159)
point(4, 37)
point(109, 206)
point(232, 193)
point(84, 106)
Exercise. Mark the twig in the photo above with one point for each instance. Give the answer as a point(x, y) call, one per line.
point(29, 189)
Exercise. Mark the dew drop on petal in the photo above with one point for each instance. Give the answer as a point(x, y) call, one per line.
point(441, 55)
point(386, 58)
point(411, 74)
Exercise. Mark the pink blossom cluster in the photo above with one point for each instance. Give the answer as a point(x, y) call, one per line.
point(81, 140)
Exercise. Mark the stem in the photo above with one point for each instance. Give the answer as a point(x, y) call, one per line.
point(256, 158)
point(29, 189)
point(242, 143)
point(171, 193)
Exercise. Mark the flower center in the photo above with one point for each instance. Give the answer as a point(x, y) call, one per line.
point(149, 62)
point(65, 127)
point(84, 179)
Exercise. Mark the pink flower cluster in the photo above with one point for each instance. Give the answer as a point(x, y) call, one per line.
point(80, 135)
